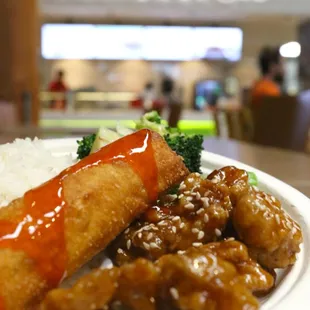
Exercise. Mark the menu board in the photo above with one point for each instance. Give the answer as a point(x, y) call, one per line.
point(167, 43)
point(125, 42)
point(121, 42)
point(218, 43)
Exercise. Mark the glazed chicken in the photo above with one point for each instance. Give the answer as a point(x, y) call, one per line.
point(214, 277)
point(236, 180)
point(196, 215)
point(272, 236)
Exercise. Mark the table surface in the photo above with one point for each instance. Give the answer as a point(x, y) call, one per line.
point(290, 167)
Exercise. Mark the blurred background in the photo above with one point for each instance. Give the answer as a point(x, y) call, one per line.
point(237, 69)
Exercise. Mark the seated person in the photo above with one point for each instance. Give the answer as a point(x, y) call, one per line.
point(270, 63)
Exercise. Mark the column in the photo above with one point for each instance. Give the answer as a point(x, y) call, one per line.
point(19, 35)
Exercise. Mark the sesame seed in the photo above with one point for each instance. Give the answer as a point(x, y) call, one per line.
point(181, 252)
point(197, 174)
point(174, 293)
point(259, 205)
point(176, 218)
point(200, 211)
point(120, 251)
point(207, 193)
point(273, 199)
point(215, 180)
point(189, 206)
point(294, 230)
point(139, 235)
point(201, 234)
point(153, 245)
point(174, 229)
point(182, 225)
point(230, 239)
point(128, 244)
point(162, 223)
point(266, 214)
point(197, 244)
point(146, 246)
point(149, 236)
point(189, 198)
point(205, 201)
point(277, 217)
point(289, 224)
point(182, 186)
point(195, 231)
point(180, 196)
point(206, 218)
point(153, 227)
point(147, 227)
point(190, 180)
point(127, 231)
point(218, 232)
point(198, 196)
point(173, 197)
point(187, 192)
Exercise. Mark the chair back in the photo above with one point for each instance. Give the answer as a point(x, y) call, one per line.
point(282, 122)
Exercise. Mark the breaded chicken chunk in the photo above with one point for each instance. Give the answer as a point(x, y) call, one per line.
point(272, 236)
point(196, 215)
point(200, 279)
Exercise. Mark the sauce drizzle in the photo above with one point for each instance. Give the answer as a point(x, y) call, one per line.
point(40, 233)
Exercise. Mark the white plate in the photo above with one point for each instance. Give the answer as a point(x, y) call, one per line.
point(293, 289)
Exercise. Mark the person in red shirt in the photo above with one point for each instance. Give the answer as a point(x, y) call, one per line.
point(271, 67)
point(58, 86)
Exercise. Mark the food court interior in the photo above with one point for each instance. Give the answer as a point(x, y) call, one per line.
point(71, 66)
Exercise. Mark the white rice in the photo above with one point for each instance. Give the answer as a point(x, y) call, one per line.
point(25, 164)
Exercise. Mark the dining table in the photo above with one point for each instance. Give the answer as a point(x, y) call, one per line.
point(291, 167)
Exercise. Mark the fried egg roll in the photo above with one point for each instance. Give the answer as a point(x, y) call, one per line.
point(56, 228)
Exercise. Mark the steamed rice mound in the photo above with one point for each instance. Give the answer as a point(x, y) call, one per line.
point(25, 164)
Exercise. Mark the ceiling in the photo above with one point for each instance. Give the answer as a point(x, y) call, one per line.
point(166, 10)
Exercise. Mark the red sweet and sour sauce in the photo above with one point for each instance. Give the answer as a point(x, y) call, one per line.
point(40, 233)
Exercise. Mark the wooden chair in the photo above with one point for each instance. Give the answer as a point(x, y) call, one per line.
point(175, 111)
point(234, 124)
point(282, 122)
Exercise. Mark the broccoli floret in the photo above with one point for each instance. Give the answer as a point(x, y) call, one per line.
point(85, 146)
point(189, 147)
point(152, 121)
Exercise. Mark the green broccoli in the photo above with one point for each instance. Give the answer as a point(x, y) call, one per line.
point(152, 121)
point(252, 178)
point(85, 146)
point(189, 147)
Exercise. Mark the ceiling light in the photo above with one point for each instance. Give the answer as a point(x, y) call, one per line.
point(290, 50)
